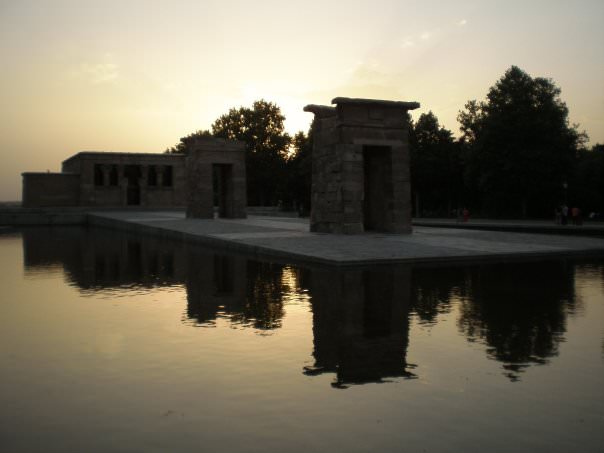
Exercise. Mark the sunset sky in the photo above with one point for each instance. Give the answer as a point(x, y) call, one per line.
point(138, 75)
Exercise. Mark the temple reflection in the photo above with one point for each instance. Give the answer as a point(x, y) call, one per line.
point(102, 259)
point(361, 324)
point(246, 292)
point(361, 316)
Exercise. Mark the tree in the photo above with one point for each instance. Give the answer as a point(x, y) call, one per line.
point(586, 188)
point(262, 129)
point(299, 170)
point(521, 146)
point(436, 177)
point(182, 146)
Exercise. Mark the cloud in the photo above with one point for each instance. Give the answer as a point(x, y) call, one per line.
point(102, 72)
point(462, 23)
point(407, 42)
point(97, 73)
point(426, 35)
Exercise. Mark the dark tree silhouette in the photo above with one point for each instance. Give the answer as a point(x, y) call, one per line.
point(436, 172)
point(586, 189)
point(182, 146)
point(267, 144)
point(299, 170)
point(521, 146)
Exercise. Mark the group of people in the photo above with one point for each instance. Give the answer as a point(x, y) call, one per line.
point(565, 215)
point(462, 215)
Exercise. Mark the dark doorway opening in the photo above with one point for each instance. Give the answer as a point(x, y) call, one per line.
point(377, 308)
point(113, 176)
point(223, 275)
point(377, 169)
point(223, 188)
point(132, 173)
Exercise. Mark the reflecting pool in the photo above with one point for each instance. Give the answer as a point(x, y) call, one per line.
point(116, 342)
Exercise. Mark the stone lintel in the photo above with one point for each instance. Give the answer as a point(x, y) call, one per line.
point(375, 103)
point(320, 111)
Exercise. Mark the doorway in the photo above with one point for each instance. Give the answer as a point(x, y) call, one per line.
point(377, 170)
point(223, 188)
point(132, 173)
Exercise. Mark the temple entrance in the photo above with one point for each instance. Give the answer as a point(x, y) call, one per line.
point(223, 188)
point(132, 173)
point(377, 169)
point(215, 170)
point(360, 172)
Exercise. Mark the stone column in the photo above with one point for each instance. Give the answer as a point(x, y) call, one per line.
point(123, 183)
point(142, 184)
point(200, 203)
point(159, 172)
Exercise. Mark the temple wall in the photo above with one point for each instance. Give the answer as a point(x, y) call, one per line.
point(207, 156)
point(50, 189)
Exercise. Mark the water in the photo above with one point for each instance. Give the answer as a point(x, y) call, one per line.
point(116, 342)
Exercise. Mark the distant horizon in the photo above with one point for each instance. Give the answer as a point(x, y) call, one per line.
point(86, 76)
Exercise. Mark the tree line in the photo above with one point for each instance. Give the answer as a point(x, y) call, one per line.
point(517, 156)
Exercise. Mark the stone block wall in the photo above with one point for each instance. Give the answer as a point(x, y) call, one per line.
point(226, 158)
point(50, 189)
point(106, 179)
point(360, 169)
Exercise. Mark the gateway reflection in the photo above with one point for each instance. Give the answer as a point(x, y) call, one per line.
point(361, 317)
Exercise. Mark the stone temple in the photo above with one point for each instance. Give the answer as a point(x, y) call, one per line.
point(215, 170)
point(360, 166)
point(212, 174)
point(109, 179)
point(360, 173)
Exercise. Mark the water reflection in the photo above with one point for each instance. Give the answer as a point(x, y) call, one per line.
point(248, 293)
point(361, 317)
point(97, 259)
point(433, 290)
point(361, 323)
point(519, 312)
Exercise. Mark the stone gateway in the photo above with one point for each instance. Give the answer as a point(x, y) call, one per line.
point(215, 170)
point(360, 166)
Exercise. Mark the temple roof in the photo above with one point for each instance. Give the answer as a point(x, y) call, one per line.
point(377, 102)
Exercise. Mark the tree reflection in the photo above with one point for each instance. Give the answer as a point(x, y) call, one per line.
point(519, 311)
point(245, 292)
point(361, 316)
point(432, 290)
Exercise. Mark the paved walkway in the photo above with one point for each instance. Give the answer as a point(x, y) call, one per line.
point(289, 238)
point(589, 228)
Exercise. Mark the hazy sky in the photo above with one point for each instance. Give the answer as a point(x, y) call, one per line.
point(138, 75)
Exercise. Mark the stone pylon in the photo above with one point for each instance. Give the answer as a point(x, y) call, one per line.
point(360, 166)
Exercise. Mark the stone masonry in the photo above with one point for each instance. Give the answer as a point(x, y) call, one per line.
point(360, 166)
point(215, 171)
point(109, 179)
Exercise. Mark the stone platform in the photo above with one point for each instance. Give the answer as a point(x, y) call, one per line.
point(289, 239)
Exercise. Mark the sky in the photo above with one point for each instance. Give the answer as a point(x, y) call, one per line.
point(137, 75)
